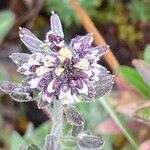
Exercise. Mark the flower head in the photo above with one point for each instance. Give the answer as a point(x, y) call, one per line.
point(59, 71)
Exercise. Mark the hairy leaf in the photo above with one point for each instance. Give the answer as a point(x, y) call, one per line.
point(74, 116)
point(51, 142)
point(8, 87)
point(104, 85)
point(90, 142)
point(19, 58)
point(56, 26)
point(30, 40)
point(21, 95)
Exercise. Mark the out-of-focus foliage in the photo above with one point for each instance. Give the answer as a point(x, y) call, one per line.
point(31, 136)
point(7, 19)
point(134, 78)
point(65, 11)
point(128, 33)
point(137, 78)
point(3, 73)
point(147, 54)
point(139, 10)
point(143, 114)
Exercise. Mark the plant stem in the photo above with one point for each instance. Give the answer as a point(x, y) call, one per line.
point(119, 121)
point(57, 121)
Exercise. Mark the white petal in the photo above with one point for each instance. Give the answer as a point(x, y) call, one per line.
point(64, 52)
point(84, 90)
point(82, 64)
point(50, 86)
point(48, 60)
point(32, 61)
point(76, 99)
point(36, 56)
point(46, 98)
point(41, 70)
point(34, 82)
point(58, 71)
point(88, 72)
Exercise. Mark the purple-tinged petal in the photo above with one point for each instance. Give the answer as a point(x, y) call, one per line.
point(46, 96)
point(87, 39)
point(56, 25)
point(30, 40)
point(7, 87)
point(34, 82)
point(55, 42)
point(19, 58)
point(81, 40)
point(97, 51)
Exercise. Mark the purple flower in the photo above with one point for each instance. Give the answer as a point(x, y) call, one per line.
point(58, 71)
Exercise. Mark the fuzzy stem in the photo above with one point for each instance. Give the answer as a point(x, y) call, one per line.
point(57, 121)
point(119, 121)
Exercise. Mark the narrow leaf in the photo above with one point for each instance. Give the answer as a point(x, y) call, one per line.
point(74, 116)
point(134, 79)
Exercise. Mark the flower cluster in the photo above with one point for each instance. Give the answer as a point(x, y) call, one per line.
point(59, 71)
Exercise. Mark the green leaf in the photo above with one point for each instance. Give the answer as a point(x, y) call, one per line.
point(39, 134)
point(68, 142)
point(7, 19)
point(133, 78)
point(147, 53)
point(67, 128)
point(3, 73)
point(17, 141)
point(143, 114)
